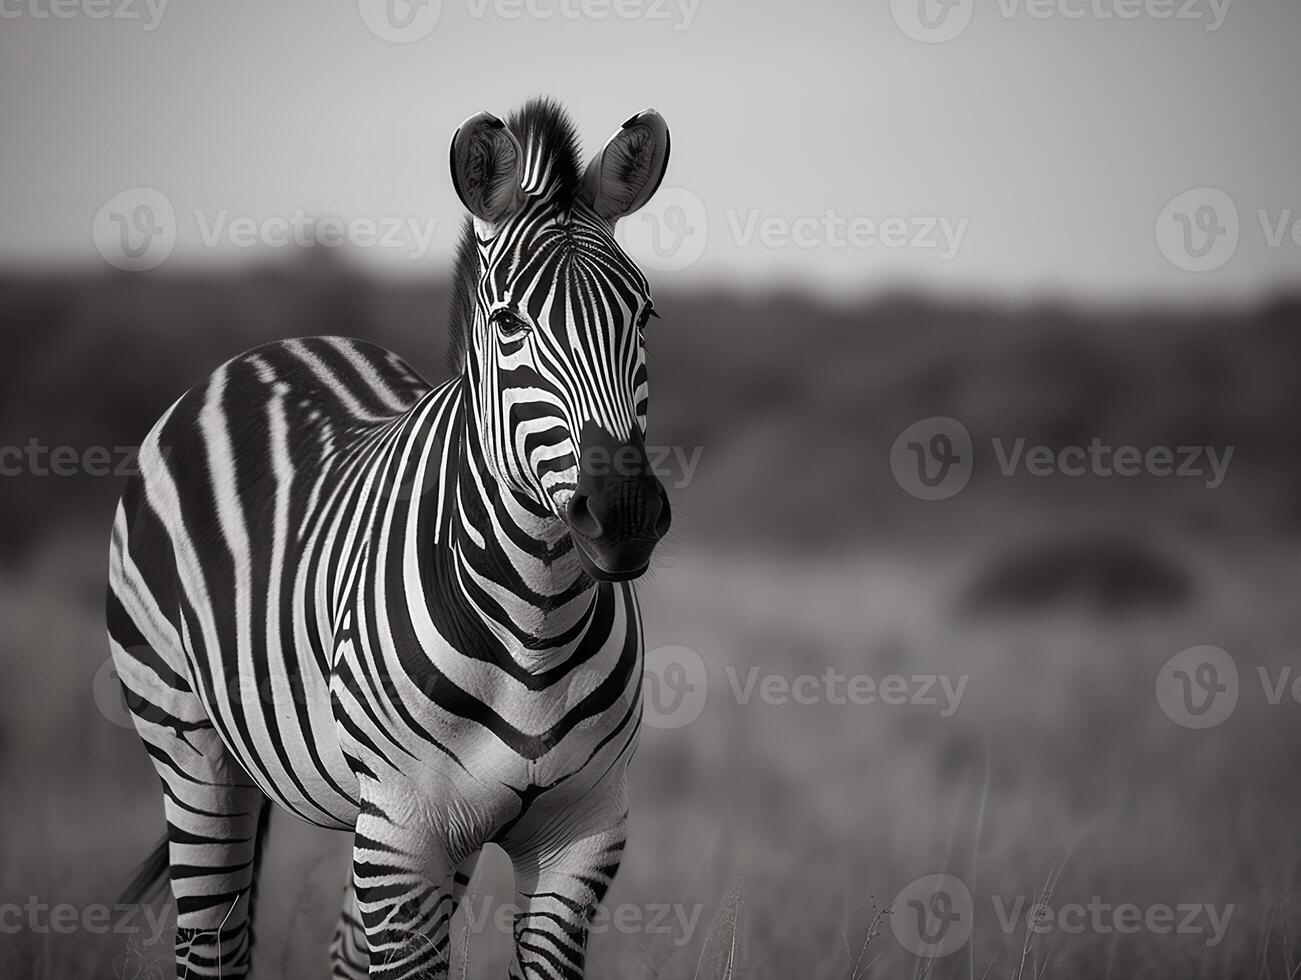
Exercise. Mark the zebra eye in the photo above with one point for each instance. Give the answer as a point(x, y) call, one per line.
point(646, 314)
point(509, 324)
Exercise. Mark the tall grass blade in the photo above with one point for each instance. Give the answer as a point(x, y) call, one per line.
point(720, 958)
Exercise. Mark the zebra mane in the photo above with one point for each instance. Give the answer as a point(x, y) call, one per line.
point(461, 314)
point(547, 136)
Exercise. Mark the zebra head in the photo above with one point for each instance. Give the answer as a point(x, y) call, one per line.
point(548, 320)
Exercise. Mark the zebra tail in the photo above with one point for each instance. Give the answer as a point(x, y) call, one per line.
point(150, 876)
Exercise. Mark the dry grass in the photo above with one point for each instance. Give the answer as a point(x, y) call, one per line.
point(1056, 780)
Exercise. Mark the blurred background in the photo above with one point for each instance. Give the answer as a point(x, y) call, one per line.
point(977, 389)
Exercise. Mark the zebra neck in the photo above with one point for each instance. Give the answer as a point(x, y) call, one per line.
point(515, 565)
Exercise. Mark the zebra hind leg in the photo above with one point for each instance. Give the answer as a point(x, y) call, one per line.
point(214, 832)
point(215, 817)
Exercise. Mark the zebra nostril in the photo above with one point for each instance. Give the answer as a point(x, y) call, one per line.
point(583, 512)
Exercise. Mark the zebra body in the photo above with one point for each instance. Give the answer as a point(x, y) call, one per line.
point(406, 610)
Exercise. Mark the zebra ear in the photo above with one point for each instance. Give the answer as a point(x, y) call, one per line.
point(625, 174)
point(487, 168)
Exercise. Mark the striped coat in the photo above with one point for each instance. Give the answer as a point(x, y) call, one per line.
point(405, 610)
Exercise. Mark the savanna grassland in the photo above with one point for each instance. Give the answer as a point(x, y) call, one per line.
point(1054, 787)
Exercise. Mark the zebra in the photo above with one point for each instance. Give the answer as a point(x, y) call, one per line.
point(407, 610)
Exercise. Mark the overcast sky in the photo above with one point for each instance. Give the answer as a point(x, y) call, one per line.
point(843, 145)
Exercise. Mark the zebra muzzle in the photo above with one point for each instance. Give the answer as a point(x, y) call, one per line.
point(619, 510)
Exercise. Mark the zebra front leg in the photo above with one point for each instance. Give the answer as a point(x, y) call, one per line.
point(348, 952)
point(402, 883)
point(560, 880)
